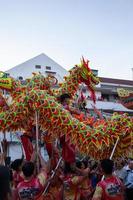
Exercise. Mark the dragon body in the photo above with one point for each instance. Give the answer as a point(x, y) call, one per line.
point(89, 136)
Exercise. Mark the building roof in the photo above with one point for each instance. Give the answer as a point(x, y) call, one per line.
point(116, 81)
point(113, 106)
point(26, 69)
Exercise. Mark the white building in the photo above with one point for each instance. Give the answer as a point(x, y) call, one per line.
point(41, 63)
point(107, 99)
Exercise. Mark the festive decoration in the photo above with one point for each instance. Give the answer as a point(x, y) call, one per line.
point(93, 137)
point(3, 103)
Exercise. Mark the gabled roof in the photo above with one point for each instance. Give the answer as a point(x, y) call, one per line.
point(26, 68)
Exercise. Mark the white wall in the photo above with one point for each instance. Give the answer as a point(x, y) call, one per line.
point(25, 69)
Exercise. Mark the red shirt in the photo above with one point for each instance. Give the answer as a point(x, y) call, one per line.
point(109, 189)
point(29, 189)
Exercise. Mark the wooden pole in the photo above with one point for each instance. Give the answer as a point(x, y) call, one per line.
point(112, 153)
point(1, 148)
point(53, 174)
point(37, 141)
point(2, 152)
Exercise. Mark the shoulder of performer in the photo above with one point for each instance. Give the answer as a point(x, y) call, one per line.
point(42, 176)
point(98, 193)
point(75, 180)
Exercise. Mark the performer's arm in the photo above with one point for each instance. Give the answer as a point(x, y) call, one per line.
point(98, 193)
point(77, 180)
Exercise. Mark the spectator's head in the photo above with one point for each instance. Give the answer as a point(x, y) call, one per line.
point(65, 98)
point(4, 182)
point(28, 169)
point(69, 167)
point(107, 166)
point(130, 164)
point(17, 164)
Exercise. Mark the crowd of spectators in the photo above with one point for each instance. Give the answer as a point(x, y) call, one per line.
point(83, 178)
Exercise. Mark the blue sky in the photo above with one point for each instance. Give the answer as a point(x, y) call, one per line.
point(100, 30)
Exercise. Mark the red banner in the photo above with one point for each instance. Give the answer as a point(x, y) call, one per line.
point(28, 147)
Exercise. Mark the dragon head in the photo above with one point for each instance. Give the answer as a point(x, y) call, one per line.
point(5, 82)
point(10, 84)
point(87, 77)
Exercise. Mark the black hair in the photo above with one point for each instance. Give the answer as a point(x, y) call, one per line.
point(68, 168)
point(85, 162)
point(79, 164)
point(7, 160)
point(28, 169)
point(16, 164)
point(107, 166)
point(4, 182)
point(64, 96)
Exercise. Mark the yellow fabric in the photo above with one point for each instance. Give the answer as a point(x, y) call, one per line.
point(98, 194)
point(75, 180)
point(42, 178)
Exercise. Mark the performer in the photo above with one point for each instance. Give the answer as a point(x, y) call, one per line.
point(111, 188)
point(86, 190)
point(32, 186)
point(16, 166)
point(72, 182)
point(65, 101)
point(55, 190)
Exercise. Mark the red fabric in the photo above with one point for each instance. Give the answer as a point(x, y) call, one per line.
point(28, 147)
point(82, 98)
point(48, 144)
point(52, 151)
point(68, 151)
point(112, 188)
